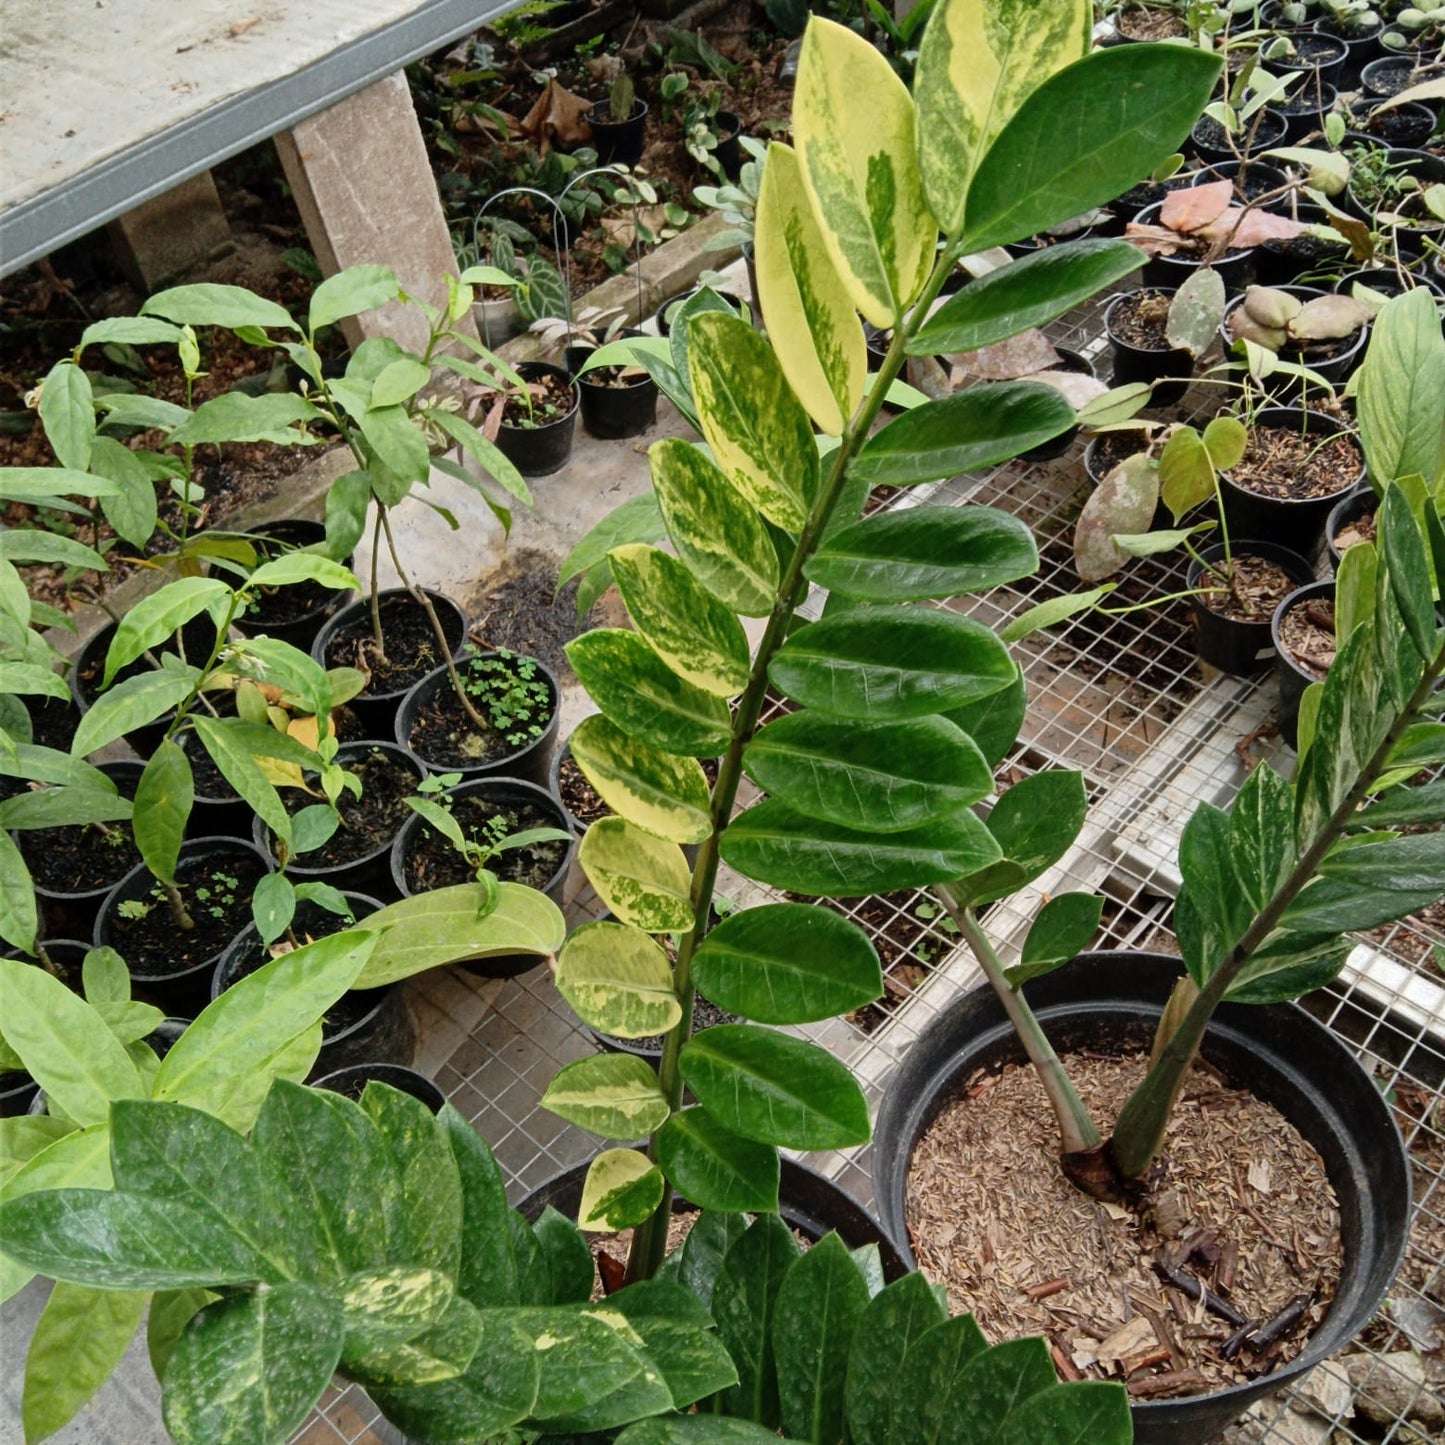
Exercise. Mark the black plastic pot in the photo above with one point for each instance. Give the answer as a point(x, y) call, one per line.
point(1283, 262)
point(667, 309)
point(70, 913)
point(1080, 365)
point(612, 412)
point(369, 871)
point(1387, 76)
point(1264, 130)
point(1387, 281)
point(180, 991)
point(540, 450)
point(1429, 170)
point(1168, 273)
point(1319, 53)
point(375, 708)
point(1407, 125)
point(66, 955)
point(1139, 198)
point(729, 150)
point(808, 1203)
point(1289, 675)
point(1350, 508)
point(618, 141)
point(1251, 178)
point(507, 792)
point(554, 784)
point(530, 761)
point(309, 604)
point(1234, 646)
point(366, 1026)
point(352, 1082)
point(18, 1093)
point(1296, 523)
point(1334, 369)
point(1362, 45)
point(1276, 1051)
point(217, 810)
point(1137, 363)
point(1304, 112)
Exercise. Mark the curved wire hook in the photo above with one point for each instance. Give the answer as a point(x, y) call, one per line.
point(558, 221)
point(623, 174)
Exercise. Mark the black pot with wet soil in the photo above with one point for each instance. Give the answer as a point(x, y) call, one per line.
point(1296, 466)
point(411, 650)
point(1276, 1051)
point(1233, 603)
point(352, 1082)
point(617, 401)
point(1136, 325)
point(365, 1025)
point(171, 965)
point(73, 868)
point(537, 438)
point(1250, 178)
point(1303, 632)
point(516, 696)
point(294, 613)
point(357, 856)
point(1264, 130)
point(1406, 126)
point(1282, 262)
point(421, 859)
point(1362, 45)
point(618, 141)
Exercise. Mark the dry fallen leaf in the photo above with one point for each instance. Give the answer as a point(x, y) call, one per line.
point(558, 118)
point(1155, 240)
point(1020, 355)
point(1260, 1175)
point(1194, 207)
point(1250, 228)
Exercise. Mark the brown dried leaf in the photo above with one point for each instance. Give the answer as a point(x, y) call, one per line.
point(1328, 318)
point(1122, 504)
point(1153, 240)
point(1194, 207)
point(558, 118)
point(1076, 388)
point(1020, 355)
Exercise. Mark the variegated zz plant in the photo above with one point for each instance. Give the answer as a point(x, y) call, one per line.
point(901, 708)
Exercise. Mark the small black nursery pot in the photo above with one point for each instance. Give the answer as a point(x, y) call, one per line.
point(1156, 365)
point(539, 442)
point(1293, 670)
point(295, 613)
point(1237, 645)
point(618, 141)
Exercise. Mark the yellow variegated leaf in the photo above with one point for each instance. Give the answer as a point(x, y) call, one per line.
point(642, 878)
point(978, 61)
point(689, 629)
point(614, 1095)
point(288, 775)
point(622, 1188)
point(757, 428)
point(618, 980)
point(855, 129)
point(811, 322)
point(720, 537)
point(661, 792)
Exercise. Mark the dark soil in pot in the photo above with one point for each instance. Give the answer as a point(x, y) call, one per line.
point(1136, 324)
point(1296, 466)
point(73, 868)
point(1362, 42)
point(516, 696)
point(1263, 131)
point(293, 613)
point(1319, 54)
point(617, 401)
point(170, 965)
point(536, 434)
point(1275, 1052)
point(53, 722)
point(1282, 262)
point(410, 643)
point(1371, 195)
point(1304, 112)
point(357, 856)
point(615, 140)
point(581, 800)
point(1303, 630)
point(1387, 76)
point(364, 1025)
point(1231, 619)
point(1143, 24)
point(1251, 179)
point(1403, 126)
point(352, 1082)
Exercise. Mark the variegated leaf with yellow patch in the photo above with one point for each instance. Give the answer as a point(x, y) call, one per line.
point(811, 322)
point(619, 980)
point(622, 1188)
point(978, 61)
point(855, 129)
point(614, 1095)
point(281, 774)
point(721, 538)
point(689, 629)
point(661, 792)
point(758, 431)
point(642, 878)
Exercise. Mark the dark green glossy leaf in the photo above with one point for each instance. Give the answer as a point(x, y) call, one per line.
point(929, 1387)
point(1084, 136)
point(644, 697)
point(1409, 567)
point(774, 1088)
point(996, 1382)
point(1261, 835)
point(743, 1305)
point(1030, 291)
point(487, 1275)
point(696, 1430)
point(1289, 965)
point(677, 1335)
point(887, 777)
point(288, 1335)
point(1087, 1412)
point(1064, 926)
point(993, 722)
point(890, 1327)
point(923, 552)
point(888, 663)
point(1424, 804)
point(1218, 909)
point(700, 1260)
point(819, 1305)
point(774, 844)
point(715, 1168)
point(441, 1351)
point(787, 963)
point(1033, 824)
point(1367, 882)
point(569, 1259)
point(965, 432)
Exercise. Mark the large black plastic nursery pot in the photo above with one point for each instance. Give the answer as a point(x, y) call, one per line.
point(352, 1082)
point(1169, 368)
point(1231, 644)
point(292, 614)
point(411, 650)
point(1276, 1051)
point(808, 1202)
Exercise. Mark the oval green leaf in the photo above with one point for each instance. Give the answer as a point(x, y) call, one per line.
point(637, 690)
point(924, 552)
point(715, 1168)
point(888, 663)
point(775, 1089)
point(887, 777)
point(157, 618)
point(660, 792)
point(614, 1095)
point(774, 844)
point(619, 980)
point(621, 1190)
point(965, 432)
point(642, 878)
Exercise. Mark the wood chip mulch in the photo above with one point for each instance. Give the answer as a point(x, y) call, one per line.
point(1307, 635)
point(1287, 463)
point(1251, 592)
point(1241, 1219)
